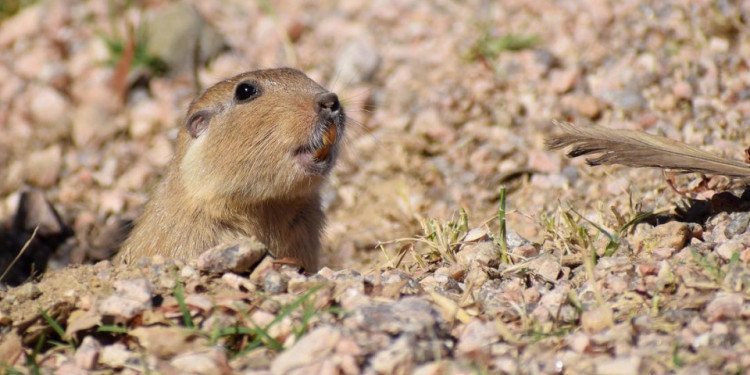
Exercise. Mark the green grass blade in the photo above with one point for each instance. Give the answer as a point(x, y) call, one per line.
point(179, 295)
point(502, 239)
point(112, 329)
point(55, 326)
point(634, 221)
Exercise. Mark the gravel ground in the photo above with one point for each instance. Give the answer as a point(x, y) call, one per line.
point(591, 270)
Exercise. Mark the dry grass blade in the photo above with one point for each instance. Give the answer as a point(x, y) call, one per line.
point(20, 254)
point(639, 149)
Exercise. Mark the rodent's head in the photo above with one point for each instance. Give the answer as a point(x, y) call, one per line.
point(260, 135)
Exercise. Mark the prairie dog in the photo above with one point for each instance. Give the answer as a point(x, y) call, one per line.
point(251, 156)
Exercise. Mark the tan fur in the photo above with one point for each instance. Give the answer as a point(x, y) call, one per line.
point(241, 177)
point(639, 149)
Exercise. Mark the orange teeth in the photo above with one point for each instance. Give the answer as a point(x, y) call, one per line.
point(329, 138)
point(322, 152)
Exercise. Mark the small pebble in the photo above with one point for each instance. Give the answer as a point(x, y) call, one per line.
point(237, 258)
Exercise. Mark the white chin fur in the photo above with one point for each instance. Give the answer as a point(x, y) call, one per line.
point(194, 173)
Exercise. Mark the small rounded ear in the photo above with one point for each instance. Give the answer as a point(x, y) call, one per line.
point(198, 122)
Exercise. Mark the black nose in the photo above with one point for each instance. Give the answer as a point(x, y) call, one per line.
point(327, 101)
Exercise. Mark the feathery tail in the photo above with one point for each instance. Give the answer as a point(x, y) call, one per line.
point(639, 149)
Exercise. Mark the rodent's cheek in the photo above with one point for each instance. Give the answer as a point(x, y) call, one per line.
point(195, 173)
point(192, 161)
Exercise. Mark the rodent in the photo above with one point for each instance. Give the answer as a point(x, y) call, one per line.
point(250, 159)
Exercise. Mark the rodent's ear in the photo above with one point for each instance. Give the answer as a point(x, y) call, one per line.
point(198, 122)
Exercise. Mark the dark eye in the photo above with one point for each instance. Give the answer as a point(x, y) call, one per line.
point(246, 91)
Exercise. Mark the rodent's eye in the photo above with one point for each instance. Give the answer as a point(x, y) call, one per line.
point(246, 91)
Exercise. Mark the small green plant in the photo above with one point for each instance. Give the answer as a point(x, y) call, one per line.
point(565, 231)
point(260, 337)
point(134, 47)
point(712, 267)
point(489, 47)
point(442, 237)
point(9, 8)
point(613, 239)
point(130, 51)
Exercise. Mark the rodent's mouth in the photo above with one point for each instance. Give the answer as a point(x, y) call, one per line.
point(318, 153)
point(318, 156)
point(329, 139)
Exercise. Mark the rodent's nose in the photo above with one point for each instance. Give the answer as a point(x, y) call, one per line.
point(327, 100)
